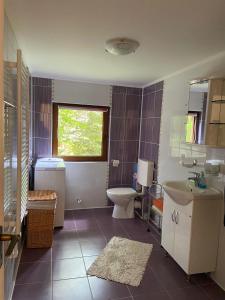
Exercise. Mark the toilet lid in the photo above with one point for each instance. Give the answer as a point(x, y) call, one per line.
point(122, 191)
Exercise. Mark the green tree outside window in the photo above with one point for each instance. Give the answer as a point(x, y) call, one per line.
point(79, 132)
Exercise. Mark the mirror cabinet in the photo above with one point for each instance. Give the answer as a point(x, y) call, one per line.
point(206, 113)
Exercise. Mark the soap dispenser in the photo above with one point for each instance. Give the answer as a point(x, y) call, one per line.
point(202, 181)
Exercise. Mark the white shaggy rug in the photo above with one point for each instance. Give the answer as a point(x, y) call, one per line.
point(122, 260)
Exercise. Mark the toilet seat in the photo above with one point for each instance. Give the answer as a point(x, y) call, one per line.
point(126, 192)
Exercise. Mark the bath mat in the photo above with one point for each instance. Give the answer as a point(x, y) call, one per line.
point(122, 260)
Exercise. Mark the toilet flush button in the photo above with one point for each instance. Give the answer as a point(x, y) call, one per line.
point(115, 163)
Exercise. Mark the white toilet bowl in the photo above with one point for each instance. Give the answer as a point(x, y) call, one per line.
point(123, 199)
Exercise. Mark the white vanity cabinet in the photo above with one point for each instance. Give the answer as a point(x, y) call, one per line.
point(190, 233)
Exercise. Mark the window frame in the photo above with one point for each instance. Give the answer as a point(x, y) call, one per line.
point(105, 131)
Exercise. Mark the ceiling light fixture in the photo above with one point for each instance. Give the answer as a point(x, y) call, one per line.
point(121, 46)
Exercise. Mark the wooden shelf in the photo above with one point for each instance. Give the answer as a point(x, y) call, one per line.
point(212, 123)
point(218, 101)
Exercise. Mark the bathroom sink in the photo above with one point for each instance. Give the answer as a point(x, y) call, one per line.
point(183, 192)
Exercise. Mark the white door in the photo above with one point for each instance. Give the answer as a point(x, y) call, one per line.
point(182, 237)
point(1, 148)
point(168, 225)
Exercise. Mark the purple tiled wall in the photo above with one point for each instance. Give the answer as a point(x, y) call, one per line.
point(41, 116)
point(124, 135)
point(150, 123)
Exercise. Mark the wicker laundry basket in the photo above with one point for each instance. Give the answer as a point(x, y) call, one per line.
point(40, 220)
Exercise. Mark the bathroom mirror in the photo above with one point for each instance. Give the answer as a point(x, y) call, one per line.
point(196, 115)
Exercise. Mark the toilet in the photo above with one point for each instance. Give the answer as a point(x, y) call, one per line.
point(123, 197)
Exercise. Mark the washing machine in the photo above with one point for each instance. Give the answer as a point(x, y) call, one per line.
point(49, 174)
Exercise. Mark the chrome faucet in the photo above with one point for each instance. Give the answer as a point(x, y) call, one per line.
point(195, 178)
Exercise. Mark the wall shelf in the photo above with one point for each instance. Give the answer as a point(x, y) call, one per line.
point(218, 101)
point(212, 123)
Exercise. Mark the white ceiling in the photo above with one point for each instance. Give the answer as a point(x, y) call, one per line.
point(65, 39)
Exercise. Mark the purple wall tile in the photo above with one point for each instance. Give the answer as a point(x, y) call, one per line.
point(117, 128)
point(42, 125)
point(116, 150)
point(133, 106)
point(143, 129)
point(115, 175)
point(132, 129)
point(119, 90)
point(119, 103)
point(148, 151)
point(155, 130)
point(130, 151)
point(134, 91)
point(42, 147)
point(150, 123)
point(127, 173)
point(42, 81)
point(42, 99)
point(149, 129)
point(142, 150)
point(149, 89)
point(148, 108)
point(124, 136)
point(158, 103)
point(159, 85)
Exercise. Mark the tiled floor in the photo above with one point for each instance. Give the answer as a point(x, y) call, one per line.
point(60, 272)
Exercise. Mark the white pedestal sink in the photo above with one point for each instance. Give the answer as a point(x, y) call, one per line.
point(191, 225)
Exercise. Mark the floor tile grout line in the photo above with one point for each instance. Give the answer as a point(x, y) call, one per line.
point(188, 287)
point(204, 291)
point(32, 283)
point(124, 229)
point(52, 270)
point(92, 296)
point(69, 278)
point(129, 291)
point(99, 227)
point(163, 289)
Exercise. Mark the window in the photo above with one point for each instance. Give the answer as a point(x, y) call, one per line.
point(80, 132)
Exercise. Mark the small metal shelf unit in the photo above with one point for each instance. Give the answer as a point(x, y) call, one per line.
point(154, 213)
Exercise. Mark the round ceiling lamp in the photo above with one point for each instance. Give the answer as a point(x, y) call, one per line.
point(121, 46)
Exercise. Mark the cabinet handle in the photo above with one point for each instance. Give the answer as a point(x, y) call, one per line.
point(173, 216)
point(177, 218)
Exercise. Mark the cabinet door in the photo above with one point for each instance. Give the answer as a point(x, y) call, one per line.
point(215, 131)
point(216, 89)
point(221, 136)
point(182, 236)
point(223, 91)
point(168, 225)
point(211, 134)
